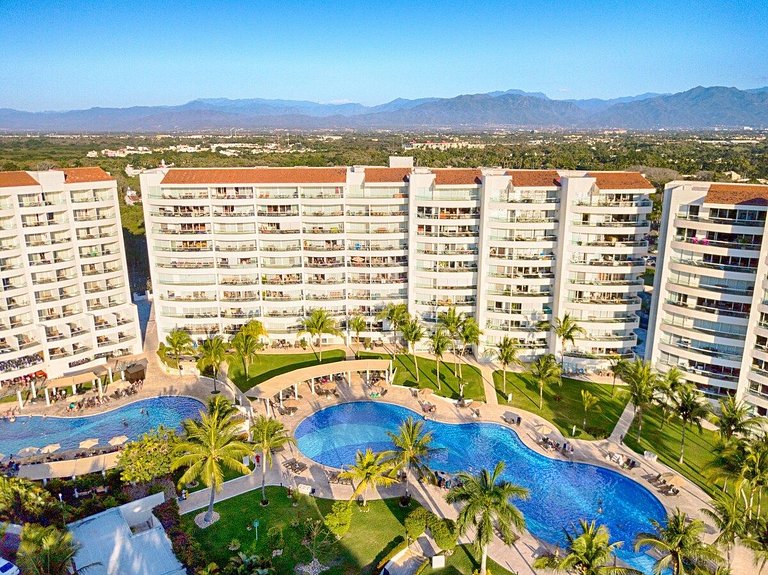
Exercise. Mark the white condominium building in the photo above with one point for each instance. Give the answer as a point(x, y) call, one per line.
point(709, 316)
point(65, 303)
point(514, 248)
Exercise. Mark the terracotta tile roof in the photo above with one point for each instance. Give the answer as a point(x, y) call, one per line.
point(745, 194)
point(534, 178)
point(12, 179)
point(81, 175)
point(257, 176)
point(621, 181)
point(456, 177)
point(376, 175)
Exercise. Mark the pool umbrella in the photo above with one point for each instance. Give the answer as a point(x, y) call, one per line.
point(425, 391)
point(291, 402)
point(667, 476)
point(51, 448)
point(88, 443)
point(543, 429)
point(27, 451)
point(676, 481)
point(119, 440)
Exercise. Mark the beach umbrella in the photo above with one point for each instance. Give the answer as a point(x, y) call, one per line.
point(119, 440)
point(291, 402)
point(88, 443)
point(51, 448)
point(543, 429)
point(425, 391)
point(27, 451)
point(667, 476)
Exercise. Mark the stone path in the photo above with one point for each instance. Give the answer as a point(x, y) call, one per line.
point(623, 425)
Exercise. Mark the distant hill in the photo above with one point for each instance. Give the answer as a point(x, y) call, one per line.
point(698, 108)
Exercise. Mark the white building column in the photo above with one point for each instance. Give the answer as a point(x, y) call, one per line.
point(33, 388)
point(296, 391)
point(18, 396)
point(47, 398)
point(101, 389)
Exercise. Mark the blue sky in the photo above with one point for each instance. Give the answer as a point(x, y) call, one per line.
point(70, 54)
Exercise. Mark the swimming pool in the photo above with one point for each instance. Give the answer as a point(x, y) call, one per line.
point(561, 492)
point(132, 420)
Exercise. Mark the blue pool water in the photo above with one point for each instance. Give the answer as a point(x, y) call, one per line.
point(561, 492)
point(132, 420)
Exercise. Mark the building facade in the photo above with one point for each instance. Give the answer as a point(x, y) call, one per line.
point(709, 316)
point(65, 304)
point(513, 248)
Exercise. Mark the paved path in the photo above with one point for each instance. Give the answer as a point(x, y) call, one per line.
point(623, 424)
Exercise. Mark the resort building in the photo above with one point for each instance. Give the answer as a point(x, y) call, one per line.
point(65, 303)
point(514, 248)
point(709, 316)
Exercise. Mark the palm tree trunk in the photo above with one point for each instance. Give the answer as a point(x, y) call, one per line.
point(263, 476)
point(584, 422)
point(504, 377)
point(209, 514)
point(613, 386)
point(416, 365)
point(639, 422)
point(437, 374)
point(455, 360)
point(682, 444)
point(178, 362)
point(484, 561)
point(320, 348)
point(541, 396)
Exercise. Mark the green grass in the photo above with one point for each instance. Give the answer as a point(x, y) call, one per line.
point(465, 562)
point(267, 366)
point(405, 374)
point(371, 536)
point(563, 405)
point(665, 442)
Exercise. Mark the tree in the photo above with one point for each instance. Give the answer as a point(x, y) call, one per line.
point(736, 419)
point(617, 366)
point(48, 551)
point(728, 517)
point(691, 408)
point(268, 435)
point(23, 501)
point(254, 328)
point(678, 544)
point(439, 342)
point(588, 553)
point(413, 333)
point(567, 330)
point(487, 501)
point(244, 348)
point(469, 334)
point(588, 402)
point(208, 447)
point(544, 371)
point(506, 352)
point(318, 324)
point(396, 314)
point(148, 458)
point(452, 320)
point(357, 324)
point(210, 569)
point(666, 389)
point(412, 449)
point(642, 382)
point(370, 470)
point(212, 352)
point(178, 343)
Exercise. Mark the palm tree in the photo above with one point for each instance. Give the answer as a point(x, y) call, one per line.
point(666, 390)
point(179, 343)
point(210, 569)
point(439, 342)
point(396, 314)
point(413, 333)
point(678, 544)
point(617, 366)
point(317, 324)
point(506, 353)
point(642, 382)
point(469, 334)
point(210, 445)
point(412, 449)
point(728, 517)
point(255, 329)
point(268, 435)
point(588, 402)
point(48, 551)
point(487, 501)
point(370, 470)
point(753, 471)
point(567, 330)
point(452, 320)
point(544, 371)
point(589, 553)
point(244, 348)
point(357, 324)
point(212, 352)
point(691, 408)
point(736, 419)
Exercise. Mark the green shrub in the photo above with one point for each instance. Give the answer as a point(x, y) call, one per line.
point(339, 519)
point(416, 523)
point(423, 567)
point(445, 533)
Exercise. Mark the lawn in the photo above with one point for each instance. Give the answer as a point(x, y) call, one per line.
point(266, 366)
point(464, 562)
point(563, 405)
point(405, 374)
point(665, 442)
point(371, 536)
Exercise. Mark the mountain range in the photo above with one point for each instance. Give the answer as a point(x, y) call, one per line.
point(695, 109)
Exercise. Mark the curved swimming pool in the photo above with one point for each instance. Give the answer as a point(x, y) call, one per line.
point(561, 492)
point(132, 420)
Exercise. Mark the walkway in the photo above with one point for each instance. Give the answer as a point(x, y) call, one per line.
point(623, 425)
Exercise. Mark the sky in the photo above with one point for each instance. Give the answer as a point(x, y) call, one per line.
point(72, 54)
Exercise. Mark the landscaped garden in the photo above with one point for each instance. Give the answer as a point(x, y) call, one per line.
point(265, 366)
point(563, 405)
point(405, 374)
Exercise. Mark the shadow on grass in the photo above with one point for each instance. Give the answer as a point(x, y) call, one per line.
point(287, 365)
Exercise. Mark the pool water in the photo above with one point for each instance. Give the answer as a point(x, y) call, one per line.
point(561, 492)
point(132, 420)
